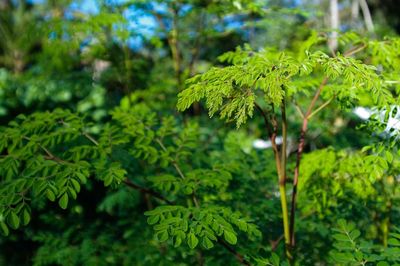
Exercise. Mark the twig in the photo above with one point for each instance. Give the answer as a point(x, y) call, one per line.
point(272, 133)
point(178, 169)
point(299, 110)
point(174, 163)
point(355, 50)
point(320, 108)
point(49, 155)
point(298, 159)
point(90, 138)
point(275, 243)
point(155, 194)
point(238, 256)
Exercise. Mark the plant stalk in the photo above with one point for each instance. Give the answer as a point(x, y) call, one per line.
point(282, 182)
point(272, 132)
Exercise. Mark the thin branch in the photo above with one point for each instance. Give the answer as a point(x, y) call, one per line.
point(237, 255)
point(180, 172)
point(195, 201)
point(49, 155)
point(298, 159)
point(155, 194)
point(272, 133)
point(266, 120)
point(316, 96)
point(301, 144)
point(89, 137)
point(320, 108)
point(333, 53)
point(174, 163)
point(275, 243)
point(355, 50)
point(299, 111)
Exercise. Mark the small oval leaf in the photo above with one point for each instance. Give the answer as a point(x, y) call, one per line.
point(26, 217)
point(4, 228)
point(192, 240)
point(230, 237)
point(63, 202)
point(13, 220)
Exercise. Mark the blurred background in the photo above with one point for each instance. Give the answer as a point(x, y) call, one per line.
point(86, 55)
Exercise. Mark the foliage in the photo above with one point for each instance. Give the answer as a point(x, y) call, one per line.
point(351, 251)
point(97, 167)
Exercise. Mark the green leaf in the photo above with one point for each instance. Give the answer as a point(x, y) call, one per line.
point(341, 237)
point(275, 259)
point(76, 185)
point(192, 240)
point(50, 195)
point(26, 217)
point(354, 234)
point(81, 177)
point(4, 228)
point(13, 220)
point(230, 237)
point(108, 180)
point(63, 202)
point(153, 219)
point(394, 242)
point(358, 255)
point(207, 243)
point(162, 236)
point(178, 242)
point(383, 263)
point(343, 257)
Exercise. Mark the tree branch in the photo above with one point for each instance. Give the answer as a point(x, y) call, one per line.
point(301, 144)
point(320, 108)
point(237, 255)
point(49, 155)
point(89, 137)
point(298, 159)
point(155, 194)
point(272, 132)
point(355, 50)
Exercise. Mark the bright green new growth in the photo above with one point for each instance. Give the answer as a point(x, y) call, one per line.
point(233, 90)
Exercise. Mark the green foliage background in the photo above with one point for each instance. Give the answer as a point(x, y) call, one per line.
point(111, 154)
